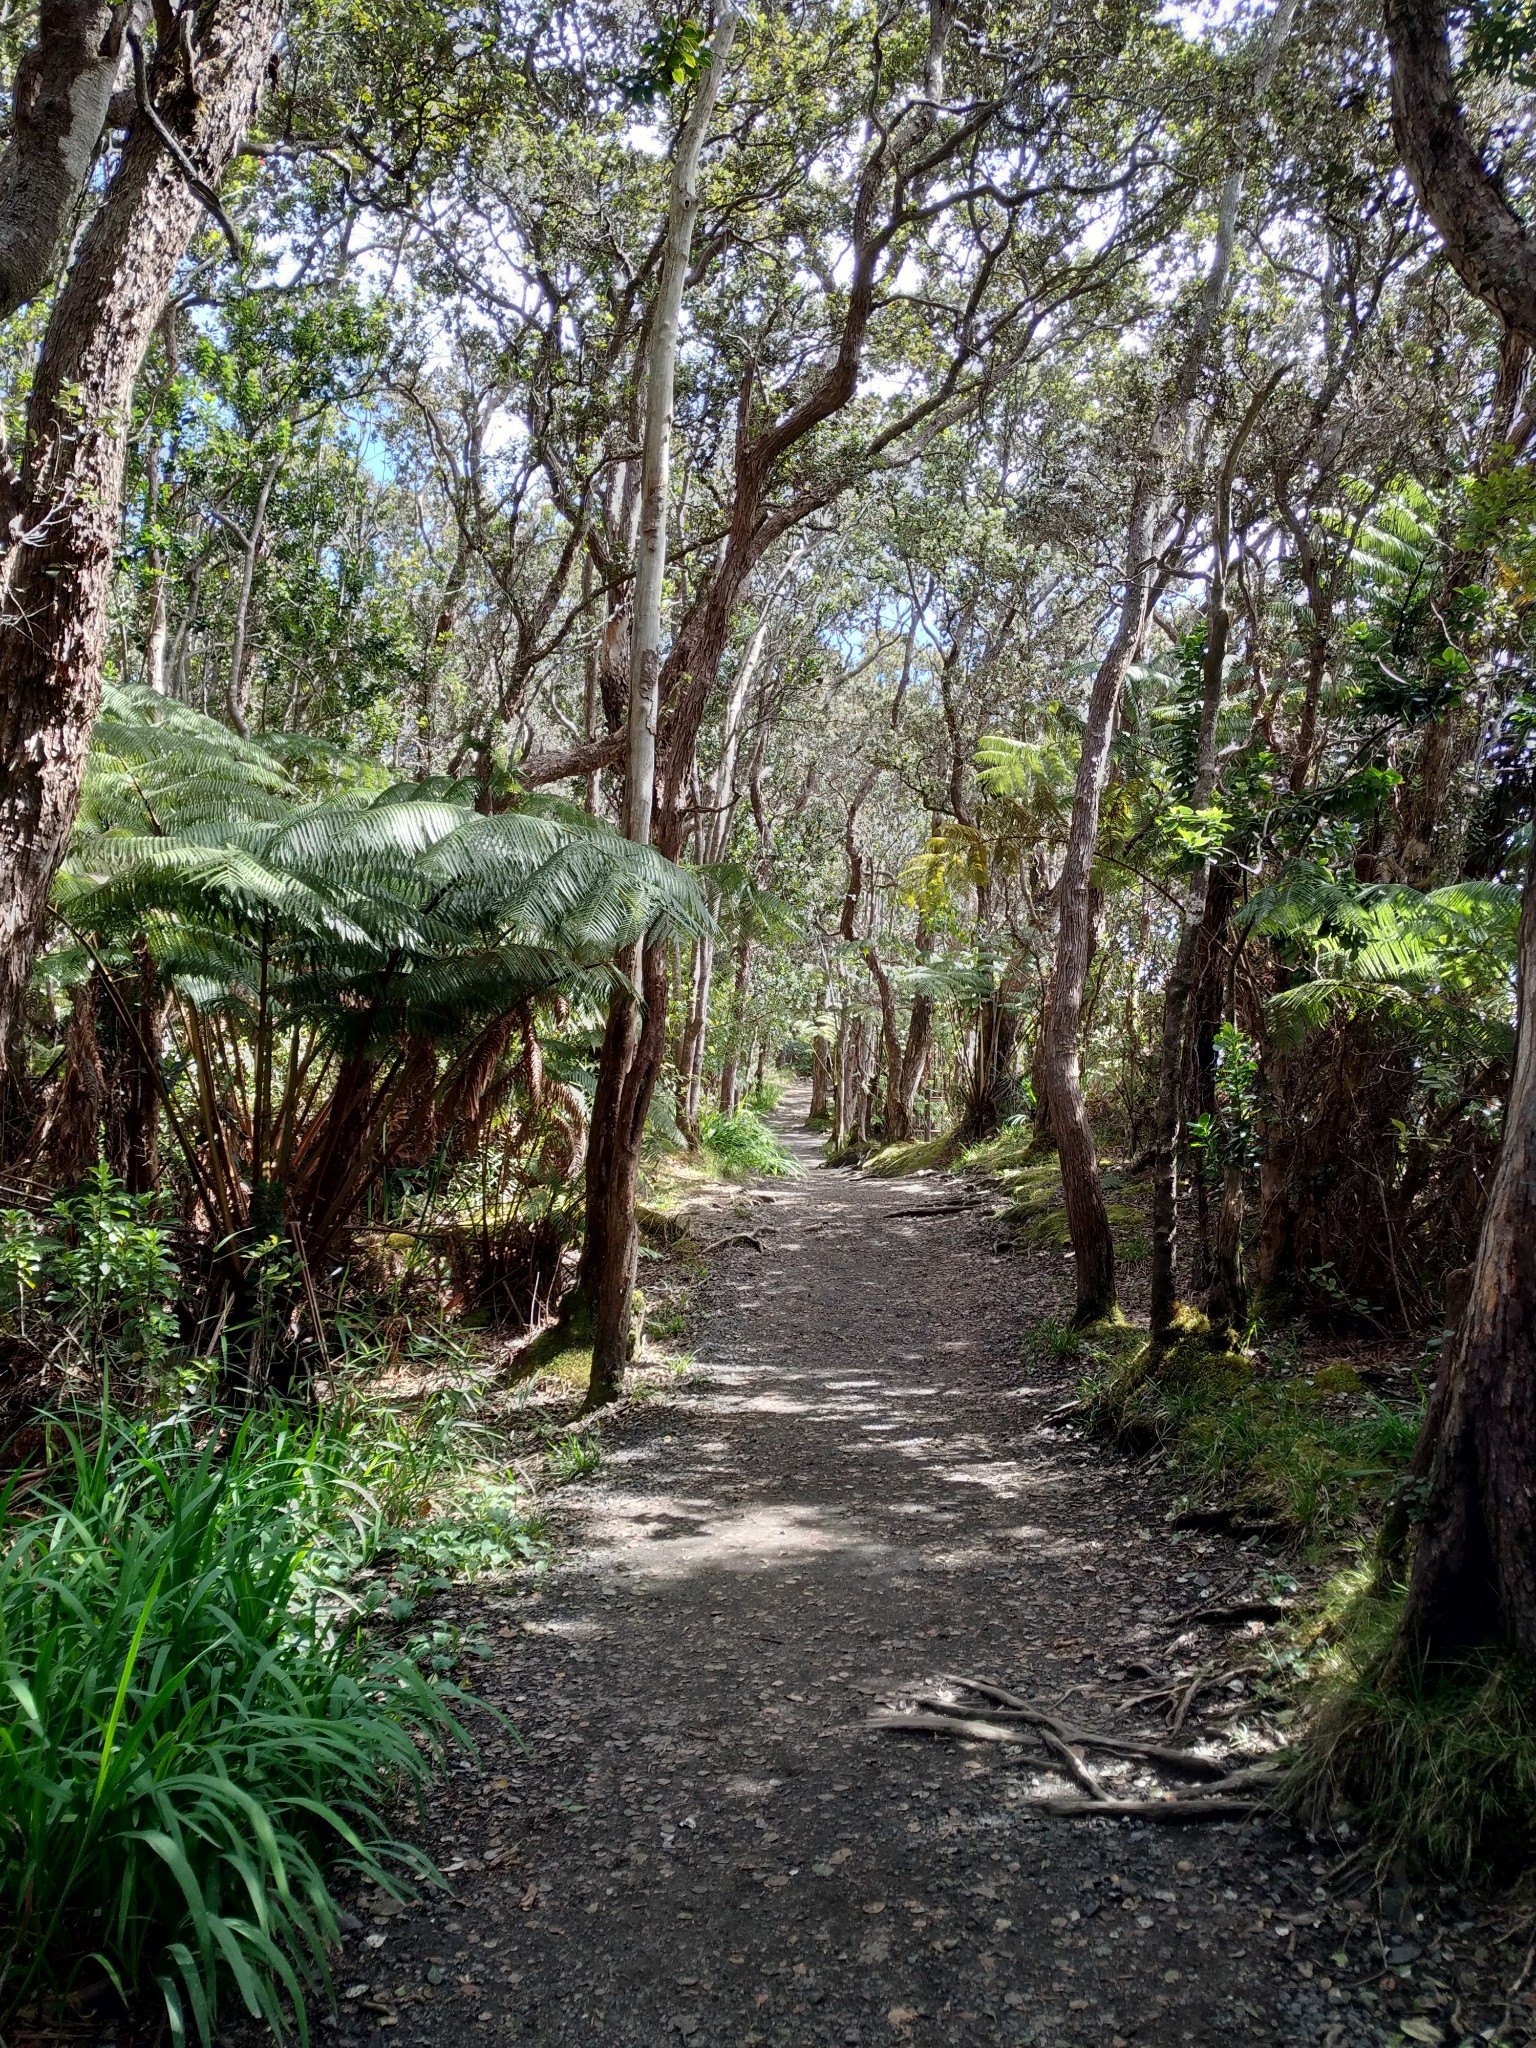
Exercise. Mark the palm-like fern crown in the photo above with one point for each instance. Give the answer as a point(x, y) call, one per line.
point(1443, 960)
point(387, 906)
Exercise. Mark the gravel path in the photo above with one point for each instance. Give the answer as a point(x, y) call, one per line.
point(857, 1486)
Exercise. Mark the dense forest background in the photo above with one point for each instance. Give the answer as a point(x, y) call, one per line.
point(563, 566)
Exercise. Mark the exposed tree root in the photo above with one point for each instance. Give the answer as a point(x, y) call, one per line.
point(1009, 1718)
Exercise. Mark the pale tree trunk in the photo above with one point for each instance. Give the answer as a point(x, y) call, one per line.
point(634, 1041)
point(714, 838)
point(919, 1046)
point(695, 1033)
point(157, 634)
point(821, 1078)
point(237, 696)
point(895, 1115)
point(1061, 1070)
point(68, 496)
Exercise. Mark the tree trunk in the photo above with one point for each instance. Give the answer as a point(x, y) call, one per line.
point(1484, 237)
point(1092, 1241)
point(633, 1046)
point(1209, 896)
point(69, 493)
point(237, 695)
point(914, 1057)
point(695, 1032)
point(59, 104)
point(1227, 1303)
point(821, 1079)
point(1061, 1069)
point(1474, 1569)
point(1165, 1134)
point(611, 1247)
point(896, 1116)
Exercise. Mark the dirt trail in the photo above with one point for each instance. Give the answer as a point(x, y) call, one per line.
point(704, 1844)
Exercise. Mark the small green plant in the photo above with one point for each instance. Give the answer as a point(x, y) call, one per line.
point(197, 1737)
point(742, 1144)
point(100, 1261)
point(573, 1454)
point(21, 1267)
point(1052, 1338)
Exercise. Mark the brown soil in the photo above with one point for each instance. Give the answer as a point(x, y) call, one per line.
point(857, 1487)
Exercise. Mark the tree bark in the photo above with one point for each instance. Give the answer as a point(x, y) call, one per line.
point(1473, 1581)
point(1087, 1219)
point(59, 104)
point(56, 578)
point(1483, 235)
point(1197, 918)
point(896, 1114)
point(821, 1079)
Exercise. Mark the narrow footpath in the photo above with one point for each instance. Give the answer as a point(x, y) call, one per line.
point(859, 1485)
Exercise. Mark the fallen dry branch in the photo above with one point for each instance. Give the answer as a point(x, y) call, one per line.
point(938, 1209)
point(1245, 1610)
point(1174, 1811)
point(948, 1724)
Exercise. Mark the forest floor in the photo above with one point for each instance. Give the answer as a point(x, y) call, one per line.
point(855, 1488)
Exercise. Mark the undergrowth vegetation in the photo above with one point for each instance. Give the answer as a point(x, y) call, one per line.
point(1440, 1771)
point(740, 1144)
point(203, 1730)
point(1255, 1434)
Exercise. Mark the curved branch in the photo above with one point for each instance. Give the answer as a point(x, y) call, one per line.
point(1484, 237)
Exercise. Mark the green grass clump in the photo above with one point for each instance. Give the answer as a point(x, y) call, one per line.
point(930, 1154)
point(1272, 1447)
point(197, 1733)
point(1039, 1218)
point(1439, 1768)
point(1016, 1145)
point(573, 1454)
point(741, 1145)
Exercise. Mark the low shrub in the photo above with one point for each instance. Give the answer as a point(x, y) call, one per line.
point(96, 1270)
point(201, 1731)
point(742, 1144)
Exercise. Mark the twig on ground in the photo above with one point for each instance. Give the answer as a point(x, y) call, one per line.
point(1197, 1685)
point(1517, 1987)
point(947, 1721)
point(736, 1237)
